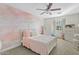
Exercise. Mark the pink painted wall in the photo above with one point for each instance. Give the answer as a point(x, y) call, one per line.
point(8, 11)
point(11, 20)
point(14, 16)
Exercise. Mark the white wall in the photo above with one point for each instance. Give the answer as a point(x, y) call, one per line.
point(68, 19)
point(72, 19)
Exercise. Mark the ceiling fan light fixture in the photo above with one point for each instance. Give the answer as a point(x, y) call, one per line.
point(59, 12)
point(48, 10)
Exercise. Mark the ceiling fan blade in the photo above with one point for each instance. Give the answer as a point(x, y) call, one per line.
point(49, 6)
point(41, 9)
point(42, 13)
point(55, 9)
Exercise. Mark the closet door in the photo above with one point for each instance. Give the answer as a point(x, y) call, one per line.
point(60, 24)
point(49, 26)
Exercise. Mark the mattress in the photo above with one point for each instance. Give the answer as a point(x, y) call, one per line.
point(42, 44)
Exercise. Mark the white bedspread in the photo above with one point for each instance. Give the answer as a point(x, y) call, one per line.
point(43, 38)
point(42, 44)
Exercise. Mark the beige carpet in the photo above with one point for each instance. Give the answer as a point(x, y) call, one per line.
point(63, 48)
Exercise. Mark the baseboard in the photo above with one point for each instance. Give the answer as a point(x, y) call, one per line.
point(14, 46)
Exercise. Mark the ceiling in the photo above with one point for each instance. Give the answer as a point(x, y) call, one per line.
point(67, 8)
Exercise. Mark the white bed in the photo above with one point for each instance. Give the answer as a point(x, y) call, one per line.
point(42, 44)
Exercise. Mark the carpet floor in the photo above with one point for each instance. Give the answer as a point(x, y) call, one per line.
point(63, 48)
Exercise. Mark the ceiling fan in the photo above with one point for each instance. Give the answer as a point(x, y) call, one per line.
point(48, 9)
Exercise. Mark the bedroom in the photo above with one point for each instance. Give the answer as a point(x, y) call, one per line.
point(33, 29)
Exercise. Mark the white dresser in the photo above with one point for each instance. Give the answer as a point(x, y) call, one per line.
point(69, 33)
point(76, 41)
